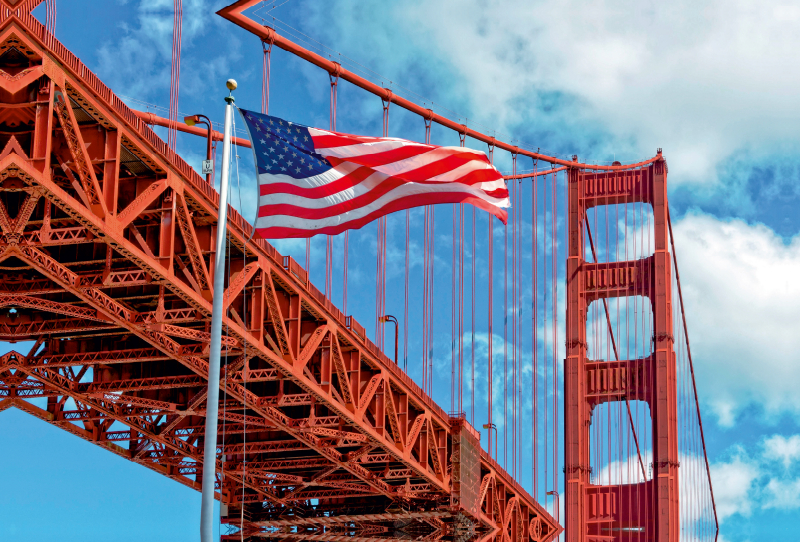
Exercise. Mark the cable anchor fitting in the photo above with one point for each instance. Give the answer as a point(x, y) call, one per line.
point(334, 75)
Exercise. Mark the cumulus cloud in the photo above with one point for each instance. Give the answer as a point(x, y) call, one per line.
point(625, 471)
point(750, 479)
point(733, 485)
point(743, 308)
point(745, 479)
point(137, 62)
point(705, 80)
point(783, 494)
point(783, 449)
point(709, 81)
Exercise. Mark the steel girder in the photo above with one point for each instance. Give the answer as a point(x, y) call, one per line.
point(106, 241)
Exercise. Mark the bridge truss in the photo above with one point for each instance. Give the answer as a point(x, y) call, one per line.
point(107, 238)
point(105, 254)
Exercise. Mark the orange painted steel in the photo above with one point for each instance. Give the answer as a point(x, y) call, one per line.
point(534, 174)
point(153, 119)
point(647, 510)
point(106, 238)
point(235, 14)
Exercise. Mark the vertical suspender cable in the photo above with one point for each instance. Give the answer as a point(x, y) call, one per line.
point(431, 269)
point(50, 17)
point(329, 266)
point(453, 276)
point(462, 136)
point(405, 291)
point(405, 298)
point(308, 259)
point(607, 355)
point(266, 69)
point(519, 371)
point(505, 340)
point(490, 366)
point(691, 372)
point(334, 79)
point(430, 236)
point(517, 292)
point(175, 73)
point(517, 256)
point(472, 323)
point(344, 270)
point(425, 281)
point(458, 297)
point(546, 342)
point(345, 257)
point(648, 328)
point(380, 293)
point(461, 302)
point(534, 336)
point(379, 284)
point(461, 308)
point(629, 367)
point(555, 335)
point(636, 250)
point(514, 218)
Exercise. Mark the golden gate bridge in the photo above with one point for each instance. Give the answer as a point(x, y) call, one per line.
point(106, 255)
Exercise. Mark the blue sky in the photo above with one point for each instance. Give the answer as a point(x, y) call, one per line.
point(712, 83)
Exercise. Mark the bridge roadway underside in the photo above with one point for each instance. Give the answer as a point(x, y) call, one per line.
point(106, 242)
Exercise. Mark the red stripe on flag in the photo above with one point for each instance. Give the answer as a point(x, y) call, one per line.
point(385, 157)
point(391, 207)
point(313, 192)
point(368, 198)
point(424, 172)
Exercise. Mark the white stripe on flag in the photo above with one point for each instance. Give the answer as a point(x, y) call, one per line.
point(314, 181)
point(366, 186)
point(410, 189)
point(415, 162)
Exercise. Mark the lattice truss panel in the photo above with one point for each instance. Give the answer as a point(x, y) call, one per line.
point(105, 250)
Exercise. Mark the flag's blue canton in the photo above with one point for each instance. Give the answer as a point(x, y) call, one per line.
point(283, 147)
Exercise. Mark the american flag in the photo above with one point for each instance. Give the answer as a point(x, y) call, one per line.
point(314, 181)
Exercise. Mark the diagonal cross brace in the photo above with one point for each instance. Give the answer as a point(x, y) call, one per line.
point(80, 156)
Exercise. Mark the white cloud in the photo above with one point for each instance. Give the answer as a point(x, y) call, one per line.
point(733, 485)
point(627, 471)
point(702, 79)
point(783, 449)
point(749, 481)
point(782, 494)
point(137, 62)
point(706, 80)
point(743, 310)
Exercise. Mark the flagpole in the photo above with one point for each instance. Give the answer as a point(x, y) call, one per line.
point(212, 403)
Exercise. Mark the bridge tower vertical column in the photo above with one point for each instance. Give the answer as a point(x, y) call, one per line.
point(576, 408)
point(665, 412)
point(646, 511)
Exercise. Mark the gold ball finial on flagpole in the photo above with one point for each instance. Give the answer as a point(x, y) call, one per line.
point(231, 84)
